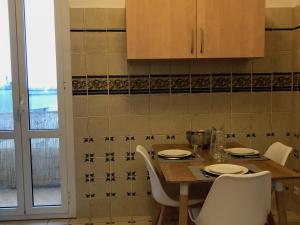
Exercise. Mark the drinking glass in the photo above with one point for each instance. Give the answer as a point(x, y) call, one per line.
point(217, 145)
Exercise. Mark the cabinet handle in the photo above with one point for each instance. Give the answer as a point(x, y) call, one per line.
point(202, 40)
point(192, 47)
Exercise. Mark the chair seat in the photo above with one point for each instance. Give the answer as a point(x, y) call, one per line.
point(249, 196)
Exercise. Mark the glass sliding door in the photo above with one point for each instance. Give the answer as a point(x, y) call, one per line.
point(41, 64)
point(41, 94)
point(8, 184)
point(46, 181)
point(6, 93)
point(34, 180)
point(11, 179)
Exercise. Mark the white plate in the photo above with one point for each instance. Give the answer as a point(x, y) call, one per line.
point(242, 151)
point(219, 169)
point(174, 153)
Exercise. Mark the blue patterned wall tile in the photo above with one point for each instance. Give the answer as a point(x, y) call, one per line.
point(119, 85)
point(241, 82)
point(262, 82)
point(180, 84)
point(139, 84)
point(296, 81)
point(221, 83)
point(201, 83)
point(282, 82)
point(97, 85)
point(159, 84)
point(79, 85)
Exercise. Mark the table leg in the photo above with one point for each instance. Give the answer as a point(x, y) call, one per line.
point(280, 203)
point(271, 220)
point(183, 201)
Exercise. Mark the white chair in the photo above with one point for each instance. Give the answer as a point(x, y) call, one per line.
point(158, 193)
point(236, 200)
point(278, 152)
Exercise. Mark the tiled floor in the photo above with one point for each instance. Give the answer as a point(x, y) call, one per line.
point(292, 218)
point(96, 221)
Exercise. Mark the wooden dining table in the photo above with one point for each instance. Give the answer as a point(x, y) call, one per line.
point(178, 172)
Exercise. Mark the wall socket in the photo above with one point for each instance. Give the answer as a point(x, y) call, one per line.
point(296, 190)
point(296, 153)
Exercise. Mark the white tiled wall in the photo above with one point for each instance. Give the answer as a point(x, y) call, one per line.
point(162, 115)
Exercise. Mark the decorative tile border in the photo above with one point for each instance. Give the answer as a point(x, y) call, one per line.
point(221, 83)
point(282, 81)
point(139, 84)
point(180, 84)
point(118, 85)
point(241, 82)
point(296, 81)
point(159, 84)
point(97, 85)
point(199, 83)
point(79, 85)
point(262, 82)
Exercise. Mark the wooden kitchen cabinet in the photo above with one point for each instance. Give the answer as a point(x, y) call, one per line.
point(230, 28)
point(180, 29)
point(161, 29)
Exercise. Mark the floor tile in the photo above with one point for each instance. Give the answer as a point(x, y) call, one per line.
point(27, 222)
point(58, 222)
point(78, 221)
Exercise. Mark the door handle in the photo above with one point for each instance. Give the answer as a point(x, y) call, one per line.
point(202, 41)
point(19, 110)
point(22, 106)
point(192, 46)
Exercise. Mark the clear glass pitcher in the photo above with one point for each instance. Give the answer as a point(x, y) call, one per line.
point(197, 141)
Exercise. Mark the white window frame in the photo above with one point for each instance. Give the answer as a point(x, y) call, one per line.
point(16, 133)
point(64, 81)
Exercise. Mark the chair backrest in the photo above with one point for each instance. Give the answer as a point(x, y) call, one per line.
point(278, 152)
point(237, 200)
point(158, 192)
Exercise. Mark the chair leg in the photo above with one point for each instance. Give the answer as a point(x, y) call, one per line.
point(190, 222)
point(161, 215)
point(271, 220)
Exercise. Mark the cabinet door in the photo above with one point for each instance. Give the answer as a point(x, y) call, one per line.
point(161, 29)
point(230, 28)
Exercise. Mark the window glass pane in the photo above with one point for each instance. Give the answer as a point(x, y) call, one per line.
point(8, 189)
point(41, 64)
point(46, 182)
point(6, 102)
